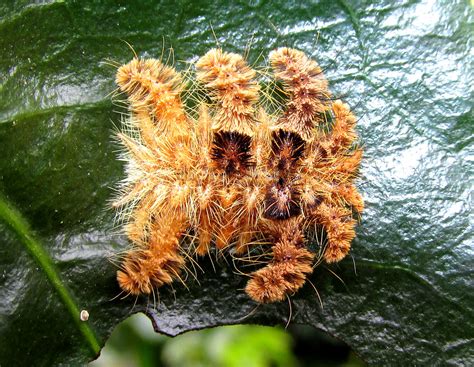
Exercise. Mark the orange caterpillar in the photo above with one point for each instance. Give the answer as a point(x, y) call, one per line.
point(235, 174)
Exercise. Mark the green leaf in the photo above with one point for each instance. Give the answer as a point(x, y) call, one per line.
point(406, 67)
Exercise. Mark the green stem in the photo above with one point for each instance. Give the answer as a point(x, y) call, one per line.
point(21, 227)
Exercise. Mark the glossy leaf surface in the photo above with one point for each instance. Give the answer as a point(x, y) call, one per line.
point(405, 68)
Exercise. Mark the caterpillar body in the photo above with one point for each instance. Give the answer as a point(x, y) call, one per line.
point(235, 174)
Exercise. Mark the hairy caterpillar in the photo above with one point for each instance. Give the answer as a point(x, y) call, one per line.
point(235, 173)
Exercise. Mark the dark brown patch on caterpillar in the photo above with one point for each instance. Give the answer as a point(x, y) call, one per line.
point(282, 200)
point(287, 149)
point(231, 152)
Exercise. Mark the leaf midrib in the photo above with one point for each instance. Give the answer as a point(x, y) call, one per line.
point(20, 226)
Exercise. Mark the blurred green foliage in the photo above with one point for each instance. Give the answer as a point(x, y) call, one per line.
point(135, 344)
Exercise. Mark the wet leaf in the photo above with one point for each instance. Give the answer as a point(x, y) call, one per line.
point(405, 296)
